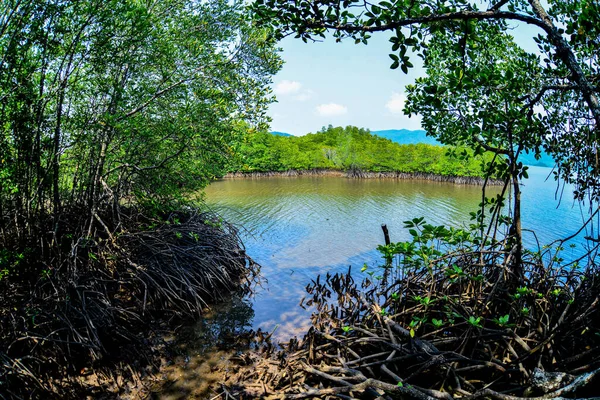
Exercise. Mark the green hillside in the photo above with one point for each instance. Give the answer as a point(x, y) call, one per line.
point(345, 148)
point(277, 133)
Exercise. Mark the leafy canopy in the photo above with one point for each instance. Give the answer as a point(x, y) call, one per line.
point(104, 102)
point(347, 148)
point(477, 93)
point(564, 78)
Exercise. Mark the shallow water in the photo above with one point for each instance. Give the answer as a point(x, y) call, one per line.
point(299, 227)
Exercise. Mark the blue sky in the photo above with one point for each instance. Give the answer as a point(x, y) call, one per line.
point(343, 84)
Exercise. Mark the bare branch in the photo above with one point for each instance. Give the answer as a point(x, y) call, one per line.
point(498, 5)
point(565, 53)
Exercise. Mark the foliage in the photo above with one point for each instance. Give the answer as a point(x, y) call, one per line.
point(110, 101)
point(477, 93)
point(111, 112)
point(567, 78)
point(447, 322)
point(350, 147)
point(482, 90)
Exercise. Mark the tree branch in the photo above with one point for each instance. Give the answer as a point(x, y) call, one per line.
point(151, 167)
point(498, 5)
point(156, 95)
point(488, 147)
point(453, 16)
point(580, 381)
point(541, 20)
point(565, 53)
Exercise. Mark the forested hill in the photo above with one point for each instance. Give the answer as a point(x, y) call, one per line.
point(345, 148)
point(406, 136)
point(276, 133)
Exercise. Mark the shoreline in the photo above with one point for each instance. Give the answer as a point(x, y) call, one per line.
point(359, 174)
point(146, 283)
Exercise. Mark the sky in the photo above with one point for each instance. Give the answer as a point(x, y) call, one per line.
point(341, 84)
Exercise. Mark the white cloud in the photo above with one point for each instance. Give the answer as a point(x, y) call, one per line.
point(395, 104)
point(287, 87)
point(304, 96)
point(331, 110)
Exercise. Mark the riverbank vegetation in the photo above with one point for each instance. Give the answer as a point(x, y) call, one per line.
point(353, 150)
point(440, 319)
point(464, 313)
point(112, 112)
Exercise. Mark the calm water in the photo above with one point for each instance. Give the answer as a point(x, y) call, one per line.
point(297, 228)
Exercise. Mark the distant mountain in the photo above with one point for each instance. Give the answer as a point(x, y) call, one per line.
point(405, 136)
point(529, 159)
point(280, 133)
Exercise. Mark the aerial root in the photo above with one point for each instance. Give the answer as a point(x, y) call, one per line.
point(91, 322)
point(433, 334)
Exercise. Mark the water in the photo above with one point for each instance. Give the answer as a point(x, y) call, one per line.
point(299, 227)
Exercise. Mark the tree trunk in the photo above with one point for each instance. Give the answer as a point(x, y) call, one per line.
point(516, 230)
point(565, 53)
point(56, 156)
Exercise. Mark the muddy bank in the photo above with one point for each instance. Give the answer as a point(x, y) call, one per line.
point(357, 173)
point(288, 173)
point(91, 323)
point(431, 331)
point(196, 359)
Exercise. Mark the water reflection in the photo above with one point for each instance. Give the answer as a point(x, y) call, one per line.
point(297, 228)
point(220, 327)
point(323, 221)
point(204, 353)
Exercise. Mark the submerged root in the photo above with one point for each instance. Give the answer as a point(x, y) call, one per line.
point(355, 172)
point(97, 311)
point(459, 329)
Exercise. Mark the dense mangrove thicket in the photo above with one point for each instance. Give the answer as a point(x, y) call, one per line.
point(348, 149)
point(358, 173)
point(111, 112)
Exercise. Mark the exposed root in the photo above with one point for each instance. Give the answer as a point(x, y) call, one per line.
point(358, 173)
point(457, 329)
point(97, 311)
